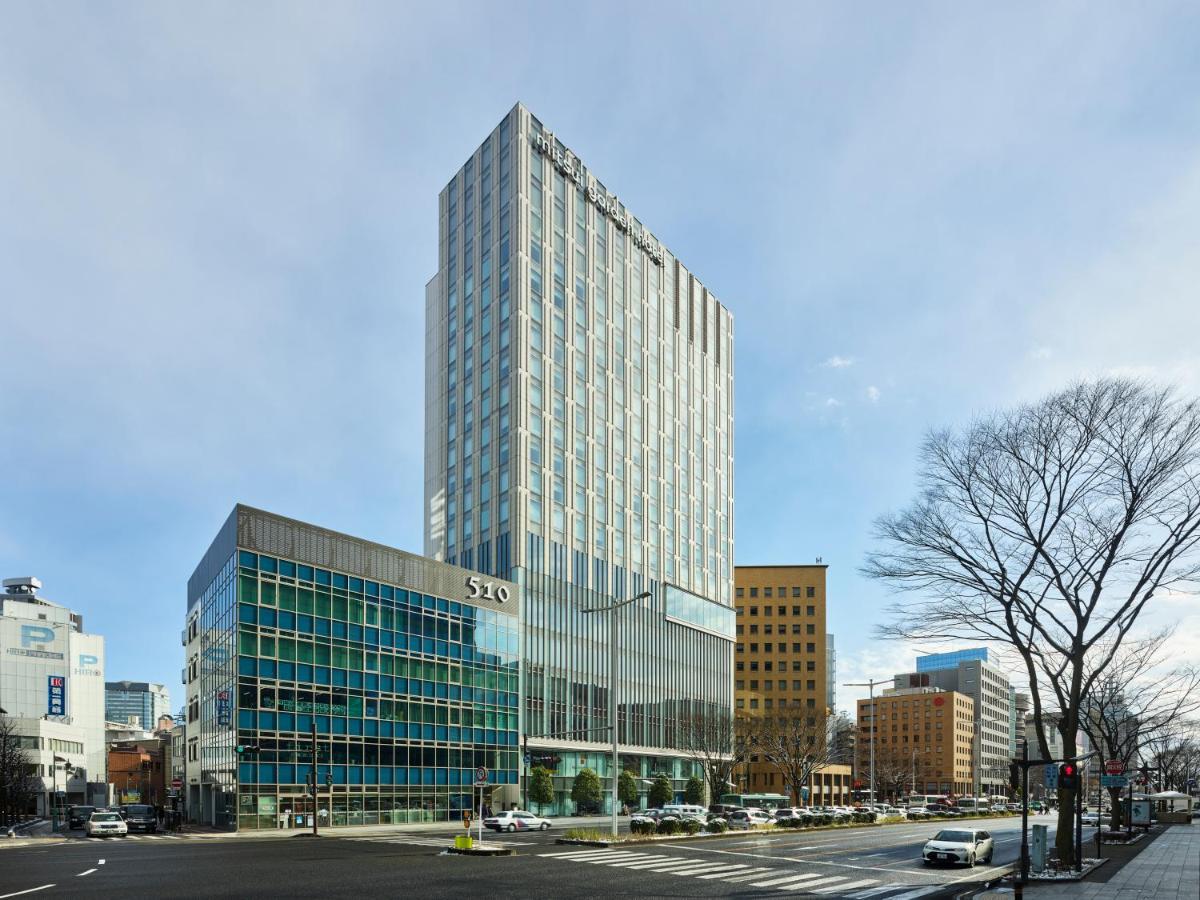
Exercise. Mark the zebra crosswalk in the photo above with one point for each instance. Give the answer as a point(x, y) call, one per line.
point(820, 883)
point(134, 837)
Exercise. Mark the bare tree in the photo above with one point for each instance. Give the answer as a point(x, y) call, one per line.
point(1049, 528)
point(797, 744)
point(719, 741)
point(18, 786)
point(1138, 701)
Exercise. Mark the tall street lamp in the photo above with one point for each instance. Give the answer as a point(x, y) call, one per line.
point(871, 685)
point(611, 609)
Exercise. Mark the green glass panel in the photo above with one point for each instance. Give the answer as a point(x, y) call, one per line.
point(356, 611)
point(268, 593)
point(247, 589)
point(266, 647)
point(304, 652)
point(304, 600)
point(287, 597)
point(287, 649)
point(247, 643)
point(324, 606)
point(339, 608)
point(323, 654)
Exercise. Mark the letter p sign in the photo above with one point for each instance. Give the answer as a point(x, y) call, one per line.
point(36, 634)
point(87, 659)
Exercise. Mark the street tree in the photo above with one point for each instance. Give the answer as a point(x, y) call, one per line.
point(720, 741)
point(586, 791)
point(541, 786)
point(797, 743)
point(1049, 528)
point(661, 792)
point(18, 787)
point(627, 788)
point(693, 792)
point(1139, 704)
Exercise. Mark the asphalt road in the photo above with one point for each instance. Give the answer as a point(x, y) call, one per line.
point(876, 863)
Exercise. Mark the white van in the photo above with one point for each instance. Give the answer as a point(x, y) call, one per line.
point(685, 811)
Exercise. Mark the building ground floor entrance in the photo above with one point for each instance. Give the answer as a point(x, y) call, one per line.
point(291, 808)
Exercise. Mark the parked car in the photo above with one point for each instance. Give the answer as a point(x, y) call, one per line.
point(1013, 807)
point(749, 817)
point(516, 820)
point(104, 824)
point(787, 813)
point(918, 812)
point(953, 845)
point(77, 816)
point(941, 809)
point(140, 817)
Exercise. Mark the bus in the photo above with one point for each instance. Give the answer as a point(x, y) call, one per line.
point(760, 801)
point(924, 799)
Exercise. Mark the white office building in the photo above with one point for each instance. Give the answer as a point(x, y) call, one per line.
point(579, 440)
point(52, 690)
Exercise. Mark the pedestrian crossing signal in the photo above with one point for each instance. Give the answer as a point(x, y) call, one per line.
point(1068, 776)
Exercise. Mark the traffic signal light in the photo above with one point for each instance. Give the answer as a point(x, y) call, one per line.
point(1068, 776)
point(246, 749)
point(1014, 776)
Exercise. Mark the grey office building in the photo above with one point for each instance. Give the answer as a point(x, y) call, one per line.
point(579, 441)
point(144, 701)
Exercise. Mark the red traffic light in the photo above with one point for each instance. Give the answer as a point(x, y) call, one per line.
point(1068, 769)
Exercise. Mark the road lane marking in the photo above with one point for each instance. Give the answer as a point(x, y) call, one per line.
point(669, 862)
point(749, 875)
point(846, 887)
point(704, 867)
point(871, 892)
point(616, 857)
point(101, 862)
point(919, 892)
point(27, 891)
point(787, 859)
point(795, 881)
point(88, 872)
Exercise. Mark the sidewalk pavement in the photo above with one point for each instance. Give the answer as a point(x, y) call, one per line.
point(1169, 869)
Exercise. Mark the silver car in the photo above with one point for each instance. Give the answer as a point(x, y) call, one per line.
point(959, 845)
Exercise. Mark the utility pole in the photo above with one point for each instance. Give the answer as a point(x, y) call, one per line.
point(871, 685)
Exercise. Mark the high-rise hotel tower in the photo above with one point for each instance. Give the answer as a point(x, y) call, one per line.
point(579, 442)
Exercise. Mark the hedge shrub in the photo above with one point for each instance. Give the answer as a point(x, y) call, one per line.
point(642, 827)
point(692, 826)
point(669, 826)
point(717, 826)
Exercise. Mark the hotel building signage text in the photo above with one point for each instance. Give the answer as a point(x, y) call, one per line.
point(568, 164)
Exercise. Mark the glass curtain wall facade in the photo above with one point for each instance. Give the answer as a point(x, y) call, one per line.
point(410, 684)
point(579, 427)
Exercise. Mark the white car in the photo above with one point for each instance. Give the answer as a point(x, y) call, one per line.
point(748, 818)
point(959, 845)
point(103, 824)
point(516, 820)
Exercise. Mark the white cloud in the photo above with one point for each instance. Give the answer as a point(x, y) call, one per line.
point(1041, 353)
point(873, 393)
point(838, 362)
point(832, 402)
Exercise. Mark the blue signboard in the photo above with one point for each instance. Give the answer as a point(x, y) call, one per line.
point(56, 695)
point(223, 708)
point(1051, 777)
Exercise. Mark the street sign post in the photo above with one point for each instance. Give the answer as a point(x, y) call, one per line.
point(1051, 777)
point(481, 782)
point(1114, 781)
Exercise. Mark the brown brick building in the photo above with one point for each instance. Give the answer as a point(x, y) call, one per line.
point(923, 738)
point(780, 664)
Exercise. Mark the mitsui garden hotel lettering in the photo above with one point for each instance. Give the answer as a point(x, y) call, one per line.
point(568, 163)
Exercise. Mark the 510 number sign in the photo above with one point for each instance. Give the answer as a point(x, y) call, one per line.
point(486, 590)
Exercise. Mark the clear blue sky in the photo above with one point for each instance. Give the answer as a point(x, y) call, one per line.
point(217, 220)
